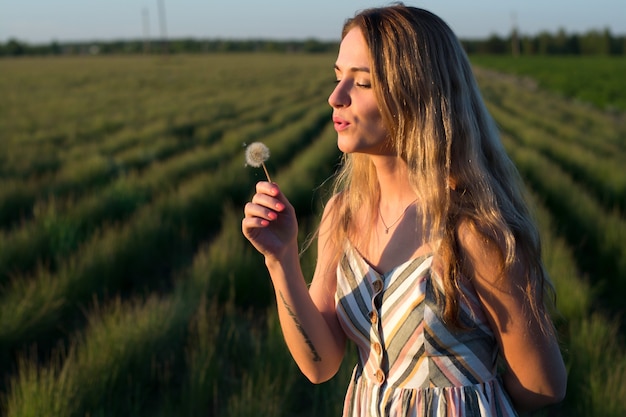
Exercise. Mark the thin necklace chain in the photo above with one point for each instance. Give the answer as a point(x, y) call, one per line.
point(397, 220)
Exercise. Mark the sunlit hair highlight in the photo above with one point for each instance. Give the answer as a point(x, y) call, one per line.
point(439, 125)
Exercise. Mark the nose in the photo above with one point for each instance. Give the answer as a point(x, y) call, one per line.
point(339, 97)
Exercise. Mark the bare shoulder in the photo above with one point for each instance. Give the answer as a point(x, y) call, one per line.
point(483, 255)
point(331, 205)
point(502, 289)
point(473, 240)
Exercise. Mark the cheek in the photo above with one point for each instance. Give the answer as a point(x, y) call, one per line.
point(375, 123)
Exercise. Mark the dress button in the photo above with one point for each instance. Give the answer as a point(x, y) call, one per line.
point(378, 285)
point(377, 348)
point(380, 376)
point(373, 317)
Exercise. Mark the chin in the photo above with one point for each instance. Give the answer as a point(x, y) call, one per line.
point(344, 146)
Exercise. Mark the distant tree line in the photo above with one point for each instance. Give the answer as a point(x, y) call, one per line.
point(561, 43)
point(174, 46)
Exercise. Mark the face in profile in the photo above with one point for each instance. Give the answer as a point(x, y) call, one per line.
point(356, 114)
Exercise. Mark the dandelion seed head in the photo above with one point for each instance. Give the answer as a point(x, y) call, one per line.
point(256, 154)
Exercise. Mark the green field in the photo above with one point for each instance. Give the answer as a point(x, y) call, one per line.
point(594, 79)
point(126, 287)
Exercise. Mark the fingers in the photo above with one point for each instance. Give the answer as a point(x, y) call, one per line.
point(251, 222)
point(269, 222)
point(264, 206)
point(259, 211)
point(269, 188)
point(269, 195)
point(271, 203)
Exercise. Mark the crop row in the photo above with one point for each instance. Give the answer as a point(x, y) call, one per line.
point(570, 183)
point(570, 156)
point(183, 336)
point(139, 296)
point(598, 236)
point(591, 344)
point(59, 227)
point(598, 131)
point(594, 80)
point(77, 98)
point(95, 119)
point(187, 354)
point(84, 169)
point(588, 157)
point(602, 176)
point(139, 253)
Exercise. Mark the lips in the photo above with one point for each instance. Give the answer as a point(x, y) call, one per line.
point(340, 124)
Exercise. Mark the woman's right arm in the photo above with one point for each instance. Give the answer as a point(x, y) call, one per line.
point(307, 316)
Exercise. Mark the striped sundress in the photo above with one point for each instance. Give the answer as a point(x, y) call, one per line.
point(409, 362)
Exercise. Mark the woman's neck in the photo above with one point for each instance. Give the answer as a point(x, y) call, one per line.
point(393, 179)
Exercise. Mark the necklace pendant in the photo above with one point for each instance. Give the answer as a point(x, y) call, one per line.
point(397, 220)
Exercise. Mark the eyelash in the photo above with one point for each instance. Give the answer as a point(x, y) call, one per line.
point(361, 85)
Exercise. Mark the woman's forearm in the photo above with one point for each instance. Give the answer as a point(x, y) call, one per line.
point(312, 343)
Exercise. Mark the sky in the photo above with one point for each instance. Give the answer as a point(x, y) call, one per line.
point(44, 21)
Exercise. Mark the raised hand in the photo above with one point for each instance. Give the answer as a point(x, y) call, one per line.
point(270, 222)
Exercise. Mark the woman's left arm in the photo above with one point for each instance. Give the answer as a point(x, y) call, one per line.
point(535, 375)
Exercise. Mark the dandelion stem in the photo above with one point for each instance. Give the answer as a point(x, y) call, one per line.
point(266, 173)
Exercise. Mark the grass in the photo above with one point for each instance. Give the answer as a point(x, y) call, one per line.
point(596, 80)
point(126, 287)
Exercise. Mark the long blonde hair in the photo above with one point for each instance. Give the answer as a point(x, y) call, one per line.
point(438, 123)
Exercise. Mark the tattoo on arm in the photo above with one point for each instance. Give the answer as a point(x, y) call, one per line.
point(316, 356)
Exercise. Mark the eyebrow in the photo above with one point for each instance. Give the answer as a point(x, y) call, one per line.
point(354, 69)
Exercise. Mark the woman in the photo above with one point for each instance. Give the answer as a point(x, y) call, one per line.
point(427, 256)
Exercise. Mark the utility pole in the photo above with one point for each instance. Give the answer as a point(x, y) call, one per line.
point(146, 30)
point(163, 26)
point(515, 36)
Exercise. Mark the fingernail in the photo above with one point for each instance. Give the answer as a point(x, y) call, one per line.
point(272, 215)
point(264, 223)
point(280, 206)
